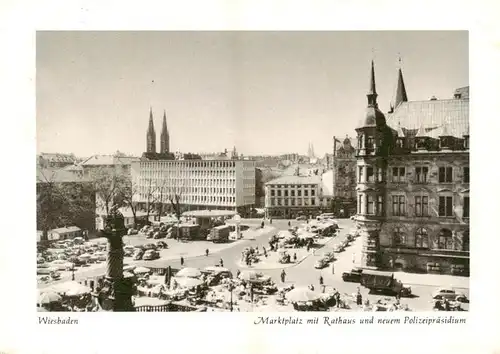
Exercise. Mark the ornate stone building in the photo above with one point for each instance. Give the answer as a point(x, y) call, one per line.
point(344, 178)
point(413, 183)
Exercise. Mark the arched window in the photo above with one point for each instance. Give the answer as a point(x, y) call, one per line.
point(445, 239)
point(465, 240)
point(421, 238)
point(398, 237)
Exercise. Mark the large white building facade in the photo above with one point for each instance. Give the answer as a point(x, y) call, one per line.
point(199, 184)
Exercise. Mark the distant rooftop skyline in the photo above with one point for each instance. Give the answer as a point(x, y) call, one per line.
point(267, 93)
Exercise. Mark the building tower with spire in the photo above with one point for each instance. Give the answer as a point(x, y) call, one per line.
point(151, 134)
point(400, 94)
point(164, 137)
point(374, 137)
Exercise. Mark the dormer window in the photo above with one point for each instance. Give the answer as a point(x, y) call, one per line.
point(421, 143)
point(445, 142)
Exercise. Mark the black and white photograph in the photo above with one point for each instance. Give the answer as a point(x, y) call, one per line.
point(252, 171)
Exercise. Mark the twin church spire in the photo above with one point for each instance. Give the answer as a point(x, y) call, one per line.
point(151, 135)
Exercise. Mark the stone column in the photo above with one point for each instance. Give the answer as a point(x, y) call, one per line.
point(117, 292)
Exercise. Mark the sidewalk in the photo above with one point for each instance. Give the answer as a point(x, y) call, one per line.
point(437, 280)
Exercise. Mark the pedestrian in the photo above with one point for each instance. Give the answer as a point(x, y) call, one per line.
point(262, 225)
point(238, 272)
point(221, 262)
point(337, 298)
point(289, 224)
point(206, 252)
point(333, 268)
point(353, 257)
point(320, 280)
point(311, 287)
point(307, 247)
point(295, 257)
point(182, 261)
point(446, 305)
point(283, 276)
point(271, 220)
point(359, 298)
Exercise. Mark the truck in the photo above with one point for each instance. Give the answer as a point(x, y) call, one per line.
point(378, 281)
point(219, 234)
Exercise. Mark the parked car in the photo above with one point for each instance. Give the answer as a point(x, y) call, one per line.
point(150, 255)
point(62, 265)
point(161, 244)
point(159, 234)
point(139, 253)
point(77, 261)
point(128, 251)
point(330, 256)
point(353, 276)
point(301, 218)
point(449, 294)
point(321, 263)
point(338, 248)
point(132, 232)
point(101, 255)
point(149, 246)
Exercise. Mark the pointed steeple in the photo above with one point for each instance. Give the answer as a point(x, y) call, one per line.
point(374, 117)
point(151, 134)
point(164, 137)
point(401, 95)
point(400, 131)
point(445, 130)
point(421, 132)
point(372, 92)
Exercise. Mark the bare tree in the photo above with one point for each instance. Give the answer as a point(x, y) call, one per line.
point(128, 194)
point(174, 190)
point(109, 184)
point(60, 203)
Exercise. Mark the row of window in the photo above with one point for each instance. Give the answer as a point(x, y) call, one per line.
point(186, 199)
point(375, 206)
point(292, 185)
point(398, 174)
point(292, 193)
point(292, 202)
point(188, 164)
point(185, 181)
point(444, 240)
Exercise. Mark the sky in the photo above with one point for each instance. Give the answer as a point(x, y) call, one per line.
point(263, 92)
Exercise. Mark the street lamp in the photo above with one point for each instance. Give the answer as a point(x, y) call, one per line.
point(73, 272)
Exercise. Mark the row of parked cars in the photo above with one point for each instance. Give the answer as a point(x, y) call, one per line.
point(147, 252)
point(330, 256)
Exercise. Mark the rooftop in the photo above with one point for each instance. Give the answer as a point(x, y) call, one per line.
point(432, 116)
point(108, 160)
point(63, 230)
point(57, 157)
point(296, 180)
point(46, 175)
